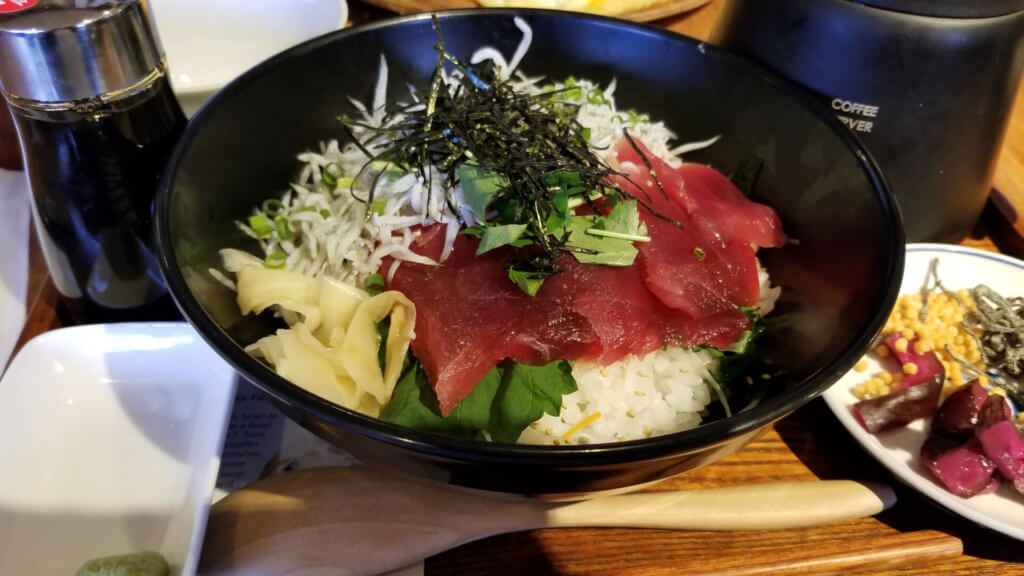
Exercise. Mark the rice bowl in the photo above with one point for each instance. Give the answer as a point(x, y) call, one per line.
point(211, 185)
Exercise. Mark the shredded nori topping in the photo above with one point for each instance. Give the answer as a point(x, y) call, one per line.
point(526, 139)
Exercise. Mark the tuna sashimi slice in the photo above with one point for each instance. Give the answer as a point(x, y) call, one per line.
point(707, 194)
point(470, 317)
point(686, 264)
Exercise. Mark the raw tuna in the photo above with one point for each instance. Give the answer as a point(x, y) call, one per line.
point(898, 408)
point(686, 288)
point(958, 414)
point(1001, 441)
point(470, 316)
point(928, 364)
point(963, 469)
point(694, 268)
point(709, 197)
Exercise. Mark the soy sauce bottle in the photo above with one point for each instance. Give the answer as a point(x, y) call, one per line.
point(87, 88)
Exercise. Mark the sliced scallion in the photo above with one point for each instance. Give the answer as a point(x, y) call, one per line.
point(275, 261)
point(328, 176)
point(273, 207)
point(260, 225)
point(283, 231)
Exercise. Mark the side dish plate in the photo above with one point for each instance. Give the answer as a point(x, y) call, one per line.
point(959, 267)
point(113, 435)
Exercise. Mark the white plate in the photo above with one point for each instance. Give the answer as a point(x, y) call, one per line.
point(898, 450)
point(110, 440)
point(208, 44)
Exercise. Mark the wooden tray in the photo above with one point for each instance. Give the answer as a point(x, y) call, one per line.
point(657, 11)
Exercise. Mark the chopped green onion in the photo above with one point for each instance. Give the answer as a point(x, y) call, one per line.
point(275, 261)
point(374, 284)
point(619, 235)
point(273, 207)
point(635, 118)
point(577, 201)
point(377, 207)
point(574, 93)
point(596, 96)
point(306, 209)
point(585, 133)
point(345, 182)
point(260, 225)
point(331, 180)
point(325, 213)
point(283, 231)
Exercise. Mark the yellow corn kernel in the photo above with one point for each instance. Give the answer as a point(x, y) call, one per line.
point(900, 344)
point(861, 366)
point(910, 368)
point(997, 390)
point(922, 346)
point(885, 377)
point(982, 379)
point(882, 350)
point(907, 333)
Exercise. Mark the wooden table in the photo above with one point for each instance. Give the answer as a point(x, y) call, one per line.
point(914, 538)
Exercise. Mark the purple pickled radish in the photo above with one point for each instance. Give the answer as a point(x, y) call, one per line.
point(959, 412)
point(1001, 441)
point(899, 408)
point(928, 364)
point(963, 469)
point(994, 409)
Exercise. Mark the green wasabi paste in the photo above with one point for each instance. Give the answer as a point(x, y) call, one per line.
point(140, 564)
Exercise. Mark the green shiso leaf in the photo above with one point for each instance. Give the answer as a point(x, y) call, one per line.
point(526, 281)
point(623, 219)
point(496, 236)
point(526, 393)
point(503, 404)
point(480, 186)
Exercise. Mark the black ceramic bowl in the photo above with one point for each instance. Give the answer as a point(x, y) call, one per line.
point(839, 280)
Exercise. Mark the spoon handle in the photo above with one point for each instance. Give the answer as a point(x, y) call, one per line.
point(748, 507)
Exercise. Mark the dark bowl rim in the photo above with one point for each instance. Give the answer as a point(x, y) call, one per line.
point(565, 456)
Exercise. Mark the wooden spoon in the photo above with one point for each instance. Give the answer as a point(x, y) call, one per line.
point(363, 520)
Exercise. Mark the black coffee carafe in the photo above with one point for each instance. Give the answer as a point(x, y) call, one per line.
point(927, 85)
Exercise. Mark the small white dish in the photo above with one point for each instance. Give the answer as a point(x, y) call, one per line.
point(208, 44)
point(898, 450)
point(111, 441)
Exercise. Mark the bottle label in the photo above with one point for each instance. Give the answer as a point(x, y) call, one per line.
point(16, 5)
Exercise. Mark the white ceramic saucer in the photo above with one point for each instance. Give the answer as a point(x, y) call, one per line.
point(110, 440)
